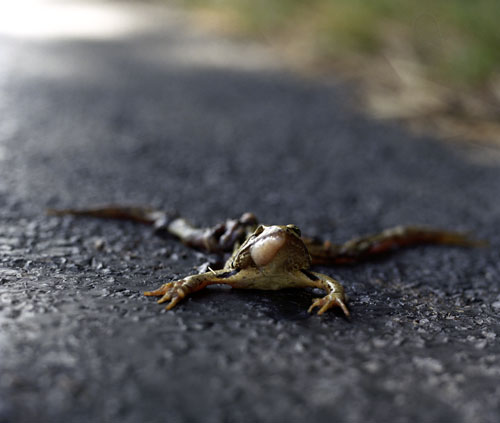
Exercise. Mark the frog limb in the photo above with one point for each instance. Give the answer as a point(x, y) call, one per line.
point(220, 238)
point(175, 291)
point(145, 215)
point(302, 278)
point(227, 236)
point(272, 257)
point(361, 248)
point(335, 292)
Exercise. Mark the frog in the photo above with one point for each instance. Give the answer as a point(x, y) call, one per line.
point(272, 257)
point(269, 257)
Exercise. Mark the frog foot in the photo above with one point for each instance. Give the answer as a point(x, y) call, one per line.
point(175, 291)
point(333, 299)
point(171, 291)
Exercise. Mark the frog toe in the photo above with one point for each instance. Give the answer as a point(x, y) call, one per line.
point(329, 301)
point(160, 291)
point(173, 301)
point(173, 292)
point(166, 297)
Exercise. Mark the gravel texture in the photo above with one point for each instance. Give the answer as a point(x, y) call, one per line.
point(131, 120)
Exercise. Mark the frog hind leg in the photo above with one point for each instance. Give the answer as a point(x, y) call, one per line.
point(145, 215)
point(365, 247)
point(175, 291)
point(218, 239)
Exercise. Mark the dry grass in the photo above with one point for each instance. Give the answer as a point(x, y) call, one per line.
point(432, 59)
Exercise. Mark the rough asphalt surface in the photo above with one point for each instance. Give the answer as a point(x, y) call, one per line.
point(86, 122)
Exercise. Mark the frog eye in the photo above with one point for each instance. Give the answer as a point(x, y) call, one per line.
point(259, 230)
point(294, 229)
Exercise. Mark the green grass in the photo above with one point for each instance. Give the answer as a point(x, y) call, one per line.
point(456, 40)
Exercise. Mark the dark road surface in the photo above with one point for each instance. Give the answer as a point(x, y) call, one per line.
point(137, 120)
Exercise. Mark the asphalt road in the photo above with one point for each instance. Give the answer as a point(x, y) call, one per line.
point(171, 117)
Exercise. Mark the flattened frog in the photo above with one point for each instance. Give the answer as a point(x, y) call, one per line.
point(270, 257)
point(273, 257)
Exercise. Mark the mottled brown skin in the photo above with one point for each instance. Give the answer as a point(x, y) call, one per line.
point(270, 257)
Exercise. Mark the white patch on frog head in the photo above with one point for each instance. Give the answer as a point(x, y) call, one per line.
point(270, 242)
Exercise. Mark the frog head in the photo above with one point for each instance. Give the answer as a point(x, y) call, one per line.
point(275, 248)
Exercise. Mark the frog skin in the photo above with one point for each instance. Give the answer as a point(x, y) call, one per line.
point(273, 257)
point(269, 257)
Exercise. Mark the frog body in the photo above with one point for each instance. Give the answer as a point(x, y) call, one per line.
point(271, 258)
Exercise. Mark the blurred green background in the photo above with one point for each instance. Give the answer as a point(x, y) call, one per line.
point(456, 40)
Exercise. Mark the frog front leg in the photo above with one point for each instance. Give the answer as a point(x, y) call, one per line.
point(335, 291)
point(175, 291)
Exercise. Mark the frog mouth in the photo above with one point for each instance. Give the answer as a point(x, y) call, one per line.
point(264, 250)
